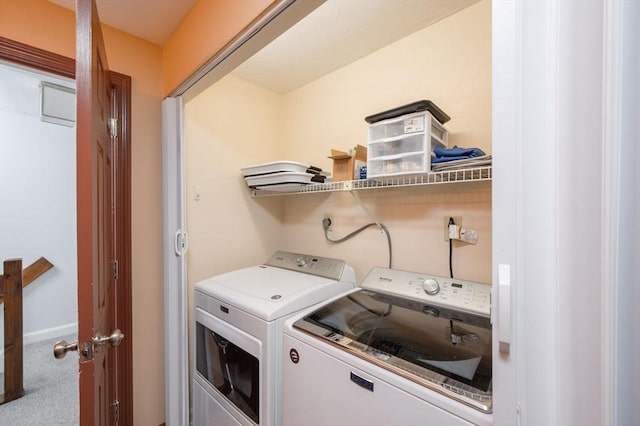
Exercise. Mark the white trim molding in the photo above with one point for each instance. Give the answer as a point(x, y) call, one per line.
point(620, 212)
point(176, 353)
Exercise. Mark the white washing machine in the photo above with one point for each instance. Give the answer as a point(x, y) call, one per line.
point(239, 318)
point(403, 349)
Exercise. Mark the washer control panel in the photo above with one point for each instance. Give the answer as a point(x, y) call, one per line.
point(466, 296)
point(309, 264)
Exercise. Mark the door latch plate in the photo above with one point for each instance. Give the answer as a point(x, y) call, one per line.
point(86, 351)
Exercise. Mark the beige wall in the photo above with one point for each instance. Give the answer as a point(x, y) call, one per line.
point(34, 22)
point(230, 125)
point(143, 62)
point(448, 63)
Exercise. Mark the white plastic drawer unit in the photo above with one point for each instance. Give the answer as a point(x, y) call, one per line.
point(403, 145)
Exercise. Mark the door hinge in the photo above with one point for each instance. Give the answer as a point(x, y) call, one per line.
point(114, 269)
point(113, 127)
point(115, 410)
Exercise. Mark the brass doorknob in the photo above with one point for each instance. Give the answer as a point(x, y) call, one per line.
point(114, 339)
point(61, 348)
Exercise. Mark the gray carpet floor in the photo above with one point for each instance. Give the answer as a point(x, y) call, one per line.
point(50, 388)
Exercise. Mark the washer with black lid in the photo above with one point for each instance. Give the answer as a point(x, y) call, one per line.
point(404, 348)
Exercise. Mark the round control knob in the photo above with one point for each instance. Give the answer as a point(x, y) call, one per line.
point(431, 286)
point(301, 261)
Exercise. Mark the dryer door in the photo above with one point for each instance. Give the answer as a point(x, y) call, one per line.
point(229, 360)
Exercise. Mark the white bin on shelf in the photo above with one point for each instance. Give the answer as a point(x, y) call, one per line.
point(404, 145)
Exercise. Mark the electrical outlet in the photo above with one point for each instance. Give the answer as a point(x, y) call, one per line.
point(329, 217)
point(468, 235)
point(456, 219)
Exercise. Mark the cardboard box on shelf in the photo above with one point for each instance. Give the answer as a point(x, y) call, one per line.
point(347, 165)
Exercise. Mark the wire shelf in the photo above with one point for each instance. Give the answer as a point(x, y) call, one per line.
point(476, 174)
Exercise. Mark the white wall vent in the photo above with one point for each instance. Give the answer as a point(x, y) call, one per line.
point(57, 104)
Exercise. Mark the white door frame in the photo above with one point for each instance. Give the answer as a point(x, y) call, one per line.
point(621, 210)
point(565, 95)
point(176, 355)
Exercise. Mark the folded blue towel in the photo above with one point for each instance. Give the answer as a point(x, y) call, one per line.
point(455, 153)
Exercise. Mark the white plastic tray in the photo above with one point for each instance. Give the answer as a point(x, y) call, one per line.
point(279, 166)
point(279, 179)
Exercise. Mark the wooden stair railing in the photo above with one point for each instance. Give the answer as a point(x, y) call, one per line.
point(32, 272)
point(11, 283)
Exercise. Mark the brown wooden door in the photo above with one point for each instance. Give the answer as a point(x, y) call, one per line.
point(96, 280)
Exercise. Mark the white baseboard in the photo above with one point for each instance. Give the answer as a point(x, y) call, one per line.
point(41, 335)
point(50, 333)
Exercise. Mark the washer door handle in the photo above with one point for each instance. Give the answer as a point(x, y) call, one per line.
point(362, 382)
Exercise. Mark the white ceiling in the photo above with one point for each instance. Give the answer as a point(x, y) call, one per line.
point(336, 34)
